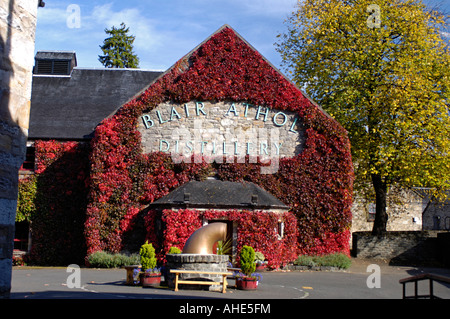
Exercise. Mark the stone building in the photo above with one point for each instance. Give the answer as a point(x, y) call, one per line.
point(71, 103)
point(408, 210)
point(68, 102)
point(17, 33)
point(264, 120)
point(418, 228)
point(218, 196)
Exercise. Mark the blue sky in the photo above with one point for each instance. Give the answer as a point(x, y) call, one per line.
point(165, 30)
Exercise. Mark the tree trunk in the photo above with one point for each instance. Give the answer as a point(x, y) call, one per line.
point(379, 225)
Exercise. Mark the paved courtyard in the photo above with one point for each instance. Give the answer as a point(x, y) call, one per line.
point(51, 283)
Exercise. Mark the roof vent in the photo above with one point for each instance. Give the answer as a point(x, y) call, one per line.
point(54, 62)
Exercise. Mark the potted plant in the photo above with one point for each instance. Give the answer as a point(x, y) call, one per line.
point(151, 275)
point(174, 250)
point(248, 280)
point(259, 259)
point(164, 269)
point(223, 247)
point(133, 274)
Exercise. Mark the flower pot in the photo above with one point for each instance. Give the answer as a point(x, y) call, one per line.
point(246, 283)
point(260, 267)
point(151, 280)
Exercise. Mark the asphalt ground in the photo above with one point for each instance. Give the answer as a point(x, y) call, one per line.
point(357, 282)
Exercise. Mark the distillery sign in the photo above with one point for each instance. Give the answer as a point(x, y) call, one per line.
point(219, 129)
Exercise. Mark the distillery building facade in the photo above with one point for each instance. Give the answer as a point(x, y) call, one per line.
point(121, 156)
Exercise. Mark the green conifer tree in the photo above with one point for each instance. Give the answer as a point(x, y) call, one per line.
point(118, 49)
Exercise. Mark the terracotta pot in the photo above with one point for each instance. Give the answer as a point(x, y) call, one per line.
point(246, 283)
point(151, 280)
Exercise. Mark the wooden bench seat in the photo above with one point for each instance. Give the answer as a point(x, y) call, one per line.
point(224, 275)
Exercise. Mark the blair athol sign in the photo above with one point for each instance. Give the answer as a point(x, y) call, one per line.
point(214, 130)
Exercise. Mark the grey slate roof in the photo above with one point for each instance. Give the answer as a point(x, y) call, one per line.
point(213, 193)
point(56, 55)
point(70, 107)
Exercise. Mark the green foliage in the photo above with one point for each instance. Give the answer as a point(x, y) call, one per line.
point(103, 259)
point(148, 256)
point(174, 250)
point(224, 247)
point(247, 259)
point(388, 86)
point(26, 199)
point(118, 49)
point(332, 260)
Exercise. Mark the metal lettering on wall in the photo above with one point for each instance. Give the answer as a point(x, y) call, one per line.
point(212, 131)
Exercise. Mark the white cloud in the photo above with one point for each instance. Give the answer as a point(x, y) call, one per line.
point(164, 31)
point(54, 33)
point(147, 38)
point(156, 44)
point(52, 15)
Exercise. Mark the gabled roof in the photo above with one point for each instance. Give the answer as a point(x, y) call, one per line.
point(56, 55)
point(213, 193)
point(70, 107)
point(185, 63)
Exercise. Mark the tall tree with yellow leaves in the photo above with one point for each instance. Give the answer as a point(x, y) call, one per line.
point(382, 69)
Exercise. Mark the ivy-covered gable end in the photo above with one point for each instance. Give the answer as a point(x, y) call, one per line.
point(315, 183)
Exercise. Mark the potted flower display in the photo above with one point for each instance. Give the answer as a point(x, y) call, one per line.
point(248, 280)
point(151, 275)
point(259, 259)
point(164, 269)
point(133, 274)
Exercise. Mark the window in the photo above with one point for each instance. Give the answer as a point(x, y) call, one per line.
point(28, 164)
point(280, 229)
point(21, 235)
point(371, 211)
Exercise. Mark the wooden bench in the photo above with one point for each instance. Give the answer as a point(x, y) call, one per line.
point(224, 275)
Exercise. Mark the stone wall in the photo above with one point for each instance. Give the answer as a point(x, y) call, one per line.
point(17, 32)
point(437, 215)
point(197, 262)
point(401, 247)
point(407, 209)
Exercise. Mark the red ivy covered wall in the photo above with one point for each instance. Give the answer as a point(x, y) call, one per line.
point(62, 183)
point(255, 227)
point(316, 184)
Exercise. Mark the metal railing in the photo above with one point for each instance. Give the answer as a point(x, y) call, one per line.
point(416, 279)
